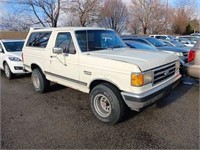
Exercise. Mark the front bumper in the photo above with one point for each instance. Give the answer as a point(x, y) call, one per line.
point(16, 67)
point(138, 101)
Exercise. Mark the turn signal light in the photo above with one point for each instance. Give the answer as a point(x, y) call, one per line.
point(137, 79)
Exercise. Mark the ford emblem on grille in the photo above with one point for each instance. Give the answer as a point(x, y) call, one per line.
point(166, 73)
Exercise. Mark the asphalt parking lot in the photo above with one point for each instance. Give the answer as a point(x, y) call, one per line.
point(62, 118)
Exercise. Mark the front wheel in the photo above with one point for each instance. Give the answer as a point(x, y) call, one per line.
point(107, 104)
point(8, 72)
point(40, 83)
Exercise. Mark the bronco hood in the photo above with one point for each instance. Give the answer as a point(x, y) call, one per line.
point(145, 60)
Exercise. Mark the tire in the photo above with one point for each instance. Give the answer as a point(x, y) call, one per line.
point(8, 72)
point(107, 104)
point(40, 83)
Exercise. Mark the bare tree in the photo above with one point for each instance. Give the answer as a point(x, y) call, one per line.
point(85, 12)
point(15, 22)
point(180, 21)
point(69, 20)
point(161, 19)
point(185, 10)
point(133, 26)
point(114, 14)
point(45, 11)
point(195, 25)
point(146, 12)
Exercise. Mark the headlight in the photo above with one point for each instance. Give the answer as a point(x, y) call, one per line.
point(140, 79)
point(179, 53)
point(14, 59)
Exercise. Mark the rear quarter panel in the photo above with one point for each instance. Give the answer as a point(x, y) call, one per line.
point(36, 55)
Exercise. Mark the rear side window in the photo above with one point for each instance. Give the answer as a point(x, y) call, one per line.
point(38, 39)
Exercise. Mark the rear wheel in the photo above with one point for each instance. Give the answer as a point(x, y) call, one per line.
point(8, 72)
point(40, 83)
point(107, 104)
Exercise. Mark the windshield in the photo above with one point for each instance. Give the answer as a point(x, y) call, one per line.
point(93, 40)
point(13, 46)
point(155, 42)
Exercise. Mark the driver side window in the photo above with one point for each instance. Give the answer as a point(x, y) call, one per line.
point(64, 41)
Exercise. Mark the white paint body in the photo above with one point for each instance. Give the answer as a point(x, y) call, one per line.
point(114, 66)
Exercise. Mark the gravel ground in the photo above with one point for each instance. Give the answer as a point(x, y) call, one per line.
point(62, 118)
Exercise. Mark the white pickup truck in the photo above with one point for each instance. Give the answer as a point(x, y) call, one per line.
point(96, 61)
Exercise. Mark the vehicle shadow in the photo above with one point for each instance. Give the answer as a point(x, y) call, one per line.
point(22, 76)
point(130, 114)
point(178, 92)
point(182, 88)
point(18, 76)
point(55, 87)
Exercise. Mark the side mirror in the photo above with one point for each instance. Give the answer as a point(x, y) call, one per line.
point(57, 50)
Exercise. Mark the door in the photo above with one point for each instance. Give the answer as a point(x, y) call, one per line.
point(64, 68)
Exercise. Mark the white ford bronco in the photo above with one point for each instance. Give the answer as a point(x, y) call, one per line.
point(96, 61)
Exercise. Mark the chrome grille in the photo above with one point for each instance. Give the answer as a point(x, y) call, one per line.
point(164, 72)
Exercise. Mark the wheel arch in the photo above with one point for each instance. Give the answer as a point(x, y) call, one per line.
point(100, 81)
point(34, 66)
point(4, 62)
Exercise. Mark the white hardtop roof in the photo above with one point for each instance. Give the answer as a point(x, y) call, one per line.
point(12, 40)
point(68, 28)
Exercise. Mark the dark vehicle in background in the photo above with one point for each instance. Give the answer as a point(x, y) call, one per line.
point(192, 68)
point(175, 44)
point(163, 37)
point(139, 45)
point(185, 41)
point(181, 52)
point(195, 34)
point(193, 39)
point(127, 37)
